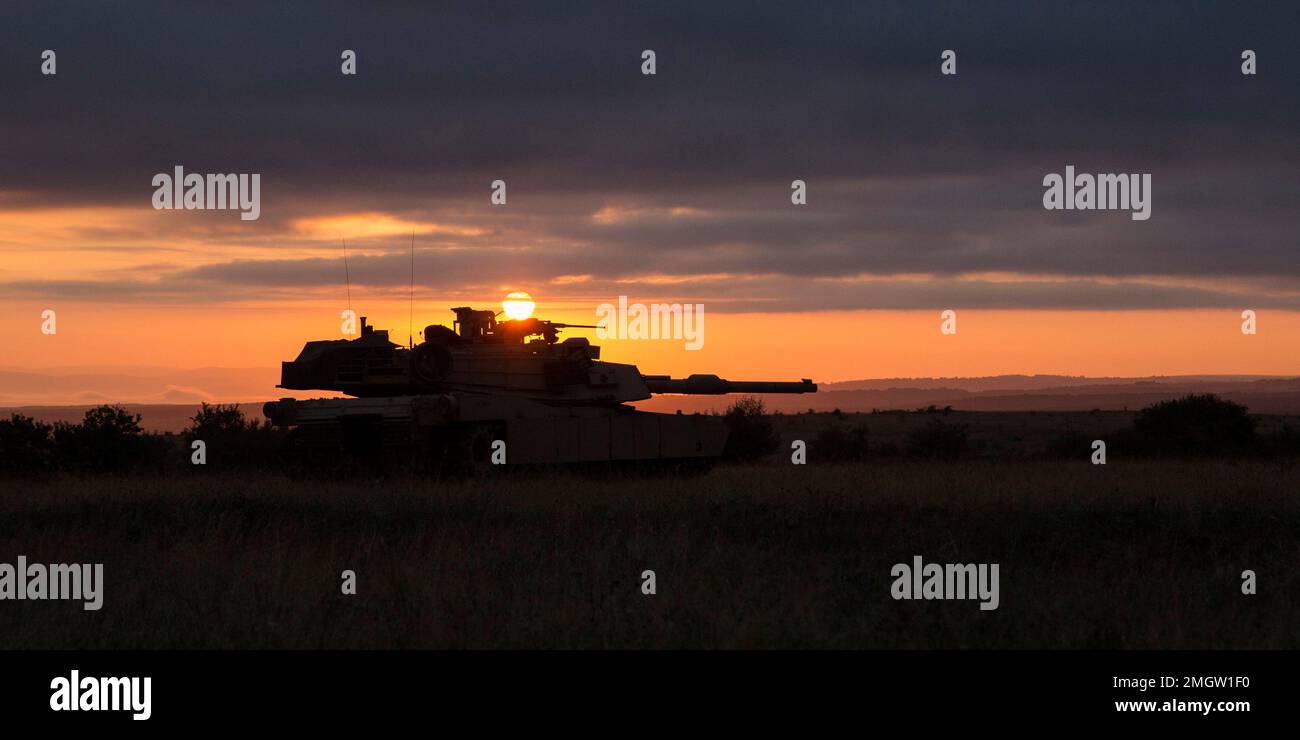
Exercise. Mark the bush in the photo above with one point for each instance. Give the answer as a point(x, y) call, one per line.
point(1195, 424)
point(751, 433)
point(26, 445)
point(108, 439)
point(230, 438)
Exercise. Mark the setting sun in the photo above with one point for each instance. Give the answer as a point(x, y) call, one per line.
point(518, 305)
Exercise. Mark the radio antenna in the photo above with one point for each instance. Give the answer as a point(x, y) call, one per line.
point(410, 318)
point(346, 274)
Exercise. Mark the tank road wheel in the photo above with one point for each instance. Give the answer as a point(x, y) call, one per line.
point(466, 449)
point(430, 363)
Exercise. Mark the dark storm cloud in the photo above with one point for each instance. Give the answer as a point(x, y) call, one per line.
point(908, 171)
point(388, 277)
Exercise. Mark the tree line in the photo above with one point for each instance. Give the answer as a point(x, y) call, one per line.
point(109, 439)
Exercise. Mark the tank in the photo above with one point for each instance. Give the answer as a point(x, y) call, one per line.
point(486, 391)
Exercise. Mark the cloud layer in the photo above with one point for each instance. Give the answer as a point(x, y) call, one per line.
point(923, 190)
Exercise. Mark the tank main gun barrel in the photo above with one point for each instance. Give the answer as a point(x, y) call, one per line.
point(712, 385)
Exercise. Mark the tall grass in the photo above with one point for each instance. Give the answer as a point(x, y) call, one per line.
point(1128, 555)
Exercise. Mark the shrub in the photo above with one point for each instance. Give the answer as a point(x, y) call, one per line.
point(751, 434)
point(108, 439)
point(1194, 424)
point(26, 445)
point(230, 438)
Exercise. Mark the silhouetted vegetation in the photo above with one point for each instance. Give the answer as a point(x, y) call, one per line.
point(232, 440)
point(26, 445)
point(109, 439)
point(751, 432)
point(931, 409)
point(1194, 425)
point(1146, 554)
point(807, 548)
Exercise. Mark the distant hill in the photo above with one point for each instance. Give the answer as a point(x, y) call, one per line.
point(1262, 395)
point(144, 385)
point(1033, 382)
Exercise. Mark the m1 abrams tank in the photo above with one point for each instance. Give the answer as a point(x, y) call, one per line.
point(489, 391)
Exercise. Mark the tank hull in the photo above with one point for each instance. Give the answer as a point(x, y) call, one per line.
point(462, 429)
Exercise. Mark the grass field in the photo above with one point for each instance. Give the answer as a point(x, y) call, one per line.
point(1127, 555)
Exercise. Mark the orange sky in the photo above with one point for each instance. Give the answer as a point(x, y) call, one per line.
point(826, 346)
point(113, 247)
